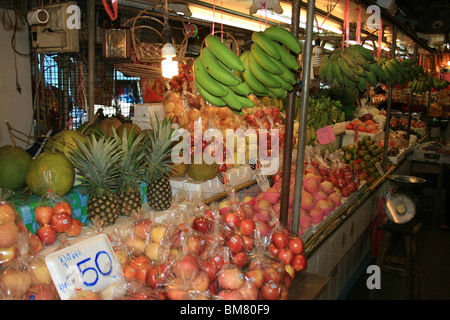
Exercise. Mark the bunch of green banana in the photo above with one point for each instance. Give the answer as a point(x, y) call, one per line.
point(322, 112)
point(269, 65)
point(421, 85)
point(439, 84)
point(352, 67)
point(400, 72)
point(216, 76)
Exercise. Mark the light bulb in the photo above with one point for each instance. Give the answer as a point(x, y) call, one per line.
point(169, 67)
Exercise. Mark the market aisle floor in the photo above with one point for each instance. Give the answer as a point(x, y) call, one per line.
point(433, 249)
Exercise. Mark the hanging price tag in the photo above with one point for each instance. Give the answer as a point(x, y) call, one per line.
point(261, 179)
point(379, 168)
point(325, 135)
point(88, 265)
point(356, 135)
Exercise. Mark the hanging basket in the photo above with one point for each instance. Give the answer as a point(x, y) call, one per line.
point(151, 52)
point(138, 70)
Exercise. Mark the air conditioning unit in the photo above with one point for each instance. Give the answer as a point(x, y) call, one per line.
point(59, 34)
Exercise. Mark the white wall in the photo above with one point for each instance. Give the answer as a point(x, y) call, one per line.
point(14, 107)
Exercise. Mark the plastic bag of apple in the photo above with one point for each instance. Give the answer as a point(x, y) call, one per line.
point(26, 277)
point(54, 216)
point(208, 253)
point(12, 229)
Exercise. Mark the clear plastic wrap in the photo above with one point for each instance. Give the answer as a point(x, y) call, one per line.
point(15, 278)
point(11, 229)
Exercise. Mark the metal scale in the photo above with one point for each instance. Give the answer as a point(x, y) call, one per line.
point(401, 207)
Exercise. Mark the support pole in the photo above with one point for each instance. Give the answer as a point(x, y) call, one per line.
point(307, 56)
point(289, 128)
point(410, 102)
point(389, 102)
point(91, 57)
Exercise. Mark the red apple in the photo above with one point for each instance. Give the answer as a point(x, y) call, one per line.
point(196, 243)
point(187, 267)
point(273, 250)
point(249, 291)
point(270, 273)
point(155, 276)
point(62, 207)
point(271, 291)
point(262, 228)
point(129, 272)
point(210, 269)
point(175, 290)
point(285, 255)
point(7, 212)
point(8, 233)
point(41, 291)
point(43, 214)
point(280, 239)
point(202, 224)
point(255, 276)
point(75, 228)
point(247, 227)
point(139, 262)
point(142, 229)
point(61, 222)
point(141, 274)
point(232, 220)
point(217, 261)
point(296, 245)
point(35, 243)
point(240, 259)
point(47, 234)
point(248, 243)
point(231, 278)
point(235, 243)
point(200, 282)
point(299, 262)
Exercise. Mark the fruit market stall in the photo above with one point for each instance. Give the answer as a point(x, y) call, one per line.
point(230, 186)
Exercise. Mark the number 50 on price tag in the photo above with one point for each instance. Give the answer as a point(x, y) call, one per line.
point(88, 265)
point(325, 135)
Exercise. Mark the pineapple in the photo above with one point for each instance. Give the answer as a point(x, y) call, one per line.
point(97, 163)
point(159, 143)
point(132, 166)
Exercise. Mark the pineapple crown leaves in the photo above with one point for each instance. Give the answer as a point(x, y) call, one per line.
point(97, 161)
point(159, 143)
point(132, 164)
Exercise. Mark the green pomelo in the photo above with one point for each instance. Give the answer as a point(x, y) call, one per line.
point(202, 171)
point(65, 141)
point(54, 165)
point(14, 163)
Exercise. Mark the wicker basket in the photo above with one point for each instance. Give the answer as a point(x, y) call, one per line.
point(151, 52)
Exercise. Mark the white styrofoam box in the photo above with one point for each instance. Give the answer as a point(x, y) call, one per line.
point(212, 187)
point(149, 111)
point(143, 123)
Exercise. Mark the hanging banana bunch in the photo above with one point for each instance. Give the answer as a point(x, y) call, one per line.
point(224, 79)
